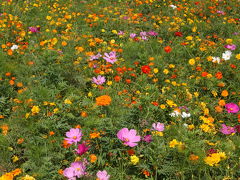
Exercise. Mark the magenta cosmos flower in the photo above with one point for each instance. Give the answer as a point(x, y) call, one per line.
point(158, 126)
point(147, 138)
point(34, 29)
point(82, 148)
point(110, 57)
point(77, 169)
point(227, 129)
point(74, 136)
point(99, 80)
point(232, 108)
point(231, 47)
point(102, 175)
point(129, 137)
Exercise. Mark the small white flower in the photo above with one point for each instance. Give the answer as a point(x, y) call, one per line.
point(226, 55)
point(216, 59)
point(174, 114)
point(14, 47)
point(185, 115)
point(185, 125)
point(173, 6)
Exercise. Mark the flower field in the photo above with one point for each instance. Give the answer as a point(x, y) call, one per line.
point(119, 89)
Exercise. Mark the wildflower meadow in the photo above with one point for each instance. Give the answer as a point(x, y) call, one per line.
point(119, 89)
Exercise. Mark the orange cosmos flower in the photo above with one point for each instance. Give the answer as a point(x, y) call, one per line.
point(103, 100)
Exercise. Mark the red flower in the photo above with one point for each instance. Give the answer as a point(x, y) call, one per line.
point(179, 34)
point(204, 74)
point(167, 49)
point(146, 69)
point(233, 66)
point(117, 78)
point(237, 127)
point(155, 103)
point(218, 75)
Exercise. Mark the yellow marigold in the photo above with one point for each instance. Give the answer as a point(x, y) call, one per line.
point(104, 100)
point(173, 143)
point(35, 109)
point(134, 159)
point(27, 177)
point(215, 158)
point(191, 61)
point(238, 56)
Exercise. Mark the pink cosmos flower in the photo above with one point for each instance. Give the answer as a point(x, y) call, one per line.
point(144, 38)
point(99, 80)
point(231, 47)
point(95, 57)
point(129, 137)
point(34, 29)
point(69, 173)
point(158, 126)
point(121, 33)
point(102, 175)
point(110, 57)
point(77, 169)
point(74, 136)
point(227, 129)
point(221, 12)
point(152, 33)
point(82, 148)
point(143, 33)
point(133, 35)
point(232, 108)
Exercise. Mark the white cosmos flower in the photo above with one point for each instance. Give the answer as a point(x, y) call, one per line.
point(14, 47)
point(226, 55)
point(185, 115)
point(174, 114)
point(173, 6)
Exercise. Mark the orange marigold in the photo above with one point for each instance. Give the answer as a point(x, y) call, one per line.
point(193, 157)
point(104, 100)
point(224, 93)
point(93, 158)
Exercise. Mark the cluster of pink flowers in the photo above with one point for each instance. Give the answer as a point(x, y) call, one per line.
point(130, 138)
point(227, 130)
point(144, 35)
point(78, 169)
